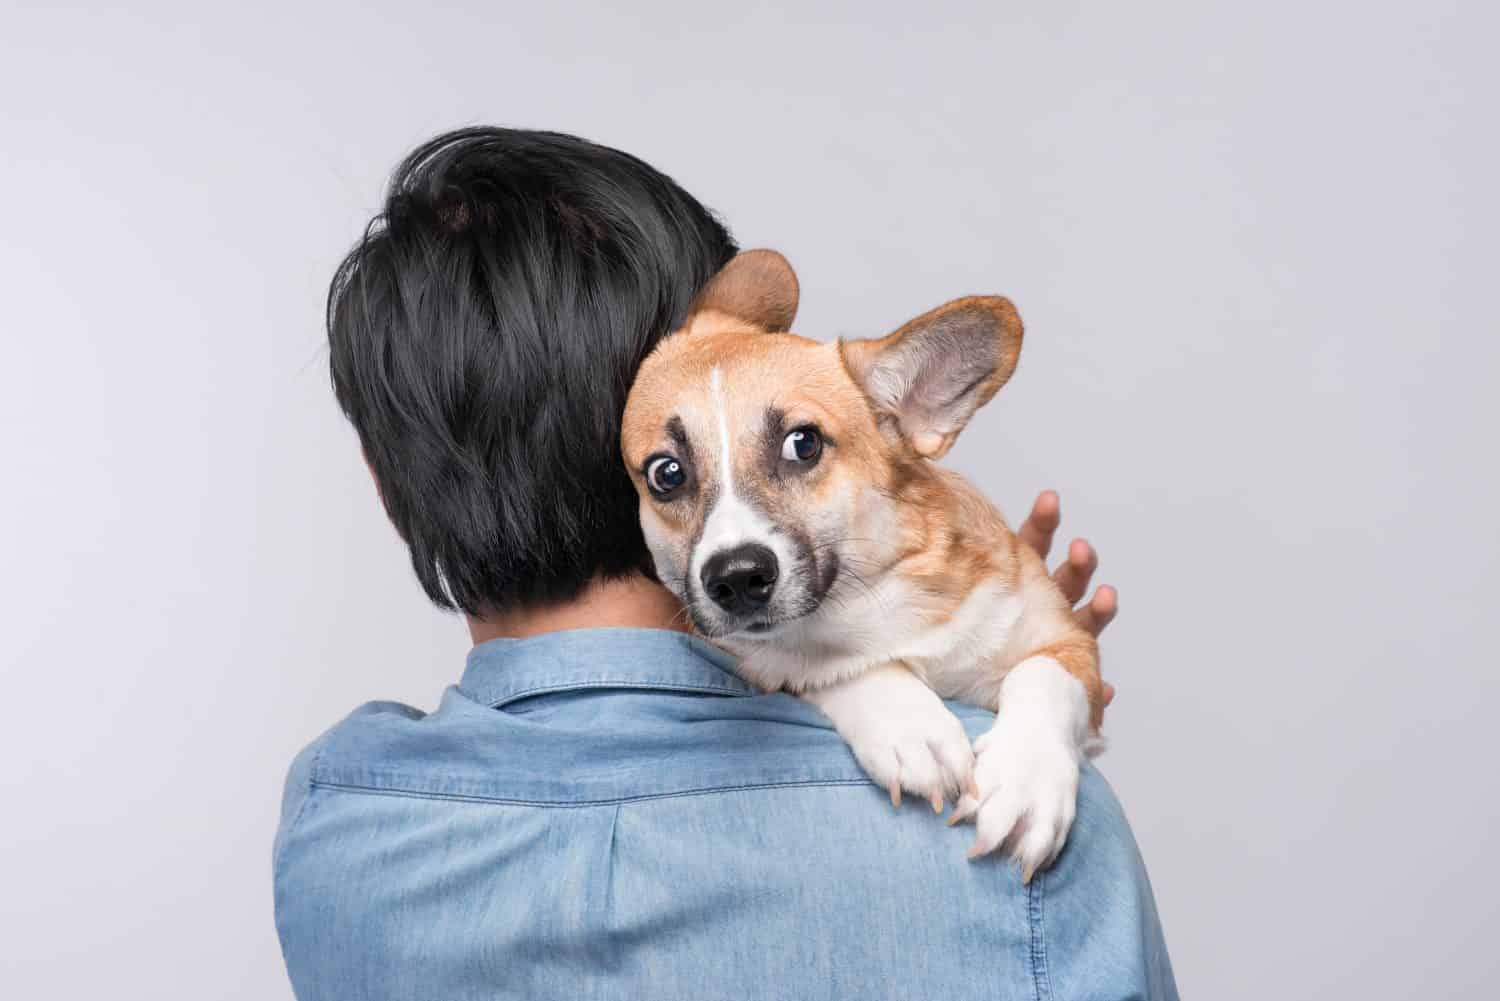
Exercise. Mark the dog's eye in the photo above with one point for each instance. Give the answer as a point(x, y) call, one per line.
point(802, 444)
point(664, 474)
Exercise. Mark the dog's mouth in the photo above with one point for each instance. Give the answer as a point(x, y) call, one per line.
point(762, 627)
point(767, 627)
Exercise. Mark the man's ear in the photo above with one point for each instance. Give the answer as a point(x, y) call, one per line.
point(933, 373)
point(758, 288)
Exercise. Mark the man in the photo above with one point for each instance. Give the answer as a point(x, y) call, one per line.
point(601, 808)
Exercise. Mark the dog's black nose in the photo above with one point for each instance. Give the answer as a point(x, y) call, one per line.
point(741, 579)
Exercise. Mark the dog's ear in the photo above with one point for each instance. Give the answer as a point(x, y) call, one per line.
point(758, 287)
point(933, 373)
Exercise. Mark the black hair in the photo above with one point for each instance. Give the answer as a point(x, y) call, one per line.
point(483, 336)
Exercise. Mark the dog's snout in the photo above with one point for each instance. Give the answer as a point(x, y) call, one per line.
point(741, 579)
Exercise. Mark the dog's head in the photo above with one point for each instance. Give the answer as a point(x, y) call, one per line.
point(770, 467)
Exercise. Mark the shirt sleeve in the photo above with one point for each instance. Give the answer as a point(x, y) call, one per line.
point(293, 795)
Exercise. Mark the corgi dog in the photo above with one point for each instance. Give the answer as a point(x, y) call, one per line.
point(789, 497)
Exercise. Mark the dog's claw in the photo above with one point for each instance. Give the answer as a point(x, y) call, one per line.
point(963, 809)
point(895, 788)
point(937, 802)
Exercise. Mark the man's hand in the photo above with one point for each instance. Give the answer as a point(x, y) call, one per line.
point(1076, 571)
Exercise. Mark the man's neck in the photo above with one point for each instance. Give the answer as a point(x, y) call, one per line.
point(630, 601)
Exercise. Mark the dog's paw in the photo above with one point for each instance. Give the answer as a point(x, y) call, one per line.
point(919, 748)
point(1027, 793)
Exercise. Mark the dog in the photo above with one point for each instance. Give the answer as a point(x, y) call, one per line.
point(789, 497)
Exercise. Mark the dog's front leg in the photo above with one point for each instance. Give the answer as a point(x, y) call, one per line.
point(1026, 765)
point(901, 733)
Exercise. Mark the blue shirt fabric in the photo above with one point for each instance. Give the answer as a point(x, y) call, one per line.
point(612, 813)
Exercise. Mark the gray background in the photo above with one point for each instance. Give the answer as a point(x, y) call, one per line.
point(1255, 248)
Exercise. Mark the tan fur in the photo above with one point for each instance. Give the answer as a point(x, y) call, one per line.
point(759, 285)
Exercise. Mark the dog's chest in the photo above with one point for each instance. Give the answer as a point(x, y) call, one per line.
point(959, 652)
point(963, 656)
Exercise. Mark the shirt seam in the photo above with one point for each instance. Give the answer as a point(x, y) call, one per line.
point(574, 804)
point(1036, 912)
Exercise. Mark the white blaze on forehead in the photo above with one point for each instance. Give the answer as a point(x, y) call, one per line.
point(726, 444)
point(732, 522)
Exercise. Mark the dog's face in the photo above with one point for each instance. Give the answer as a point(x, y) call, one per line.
point(770, 467)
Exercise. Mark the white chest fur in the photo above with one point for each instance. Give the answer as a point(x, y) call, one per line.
point(960, 657)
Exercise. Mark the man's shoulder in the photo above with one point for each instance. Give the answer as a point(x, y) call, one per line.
point(612, 749)
point(568, 751)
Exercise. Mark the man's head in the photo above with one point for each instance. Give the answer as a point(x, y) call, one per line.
point(483, 336)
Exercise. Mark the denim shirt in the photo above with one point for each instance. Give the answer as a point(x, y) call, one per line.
point(612, 813)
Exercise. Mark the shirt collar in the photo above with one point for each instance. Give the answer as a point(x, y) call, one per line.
point(504, 670)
